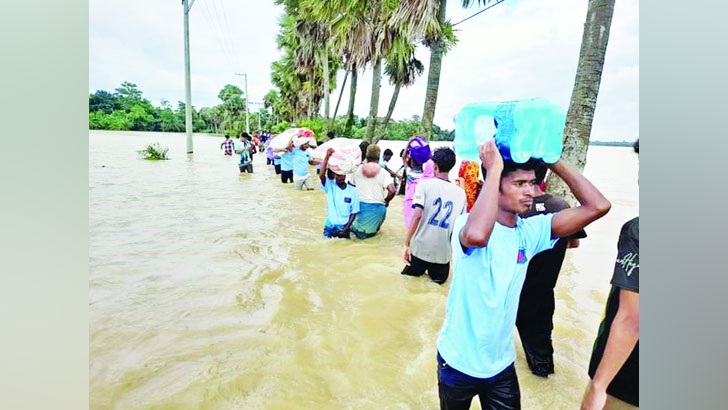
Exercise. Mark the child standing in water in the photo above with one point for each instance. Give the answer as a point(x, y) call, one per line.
point(342, 201)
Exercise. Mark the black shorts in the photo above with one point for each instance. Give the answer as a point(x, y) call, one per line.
point(247, 167)
point(278, 168)
point(287, 176)
point(438, 271)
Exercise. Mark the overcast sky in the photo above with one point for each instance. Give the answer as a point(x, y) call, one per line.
point(517, 49)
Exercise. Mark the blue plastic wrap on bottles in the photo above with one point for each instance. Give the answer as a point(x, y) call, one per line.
point(523, 129)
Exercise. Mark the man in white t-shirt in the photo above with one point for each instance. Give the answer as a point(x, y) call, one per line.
point(436, 204)
point(376, 189)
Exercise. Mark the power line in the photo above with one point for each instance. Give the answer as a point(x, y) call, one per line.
point(222, 44)
point(468, 18)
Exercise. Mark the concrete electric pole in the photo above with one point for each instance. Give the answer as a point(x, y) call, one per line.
point(188, 93)
point(247, 110)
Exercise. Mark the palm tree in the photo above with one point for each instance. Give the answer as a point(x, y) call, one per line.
point(402, 69)
point(584, 95)
point(433, 76)
point(352, 97)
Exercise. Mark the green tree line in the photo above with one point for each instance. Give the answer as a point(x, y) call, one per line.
point(125, 109)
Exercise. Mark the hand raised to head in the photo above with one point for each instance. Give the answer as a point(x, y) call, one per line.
point(490, 156)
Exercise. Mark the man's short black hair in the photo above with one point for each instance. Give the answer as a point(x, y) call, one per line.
point(510, 166)
point(541, 174)
point(388, 152)
point(444, 157)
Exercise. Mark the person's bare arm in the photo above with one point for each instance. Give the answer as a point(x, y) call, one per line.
point(416, 217)
point(322, 173)
point(348, 224)
point(477, 229)
point(391, 191)
point(574, 243)
point(623, 336)
point(593, 205)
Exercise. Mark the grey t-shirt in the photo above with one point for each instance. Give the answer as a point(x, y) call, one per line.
point(441, 202)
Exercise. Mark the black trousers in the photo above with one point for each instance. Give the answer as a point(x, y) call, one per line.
point(438, 271)
point(535, 325)
point(287, 176)
point(457, 389)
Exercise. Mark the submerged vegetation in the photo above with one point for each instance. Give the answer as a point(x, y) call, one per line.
point(154, 152)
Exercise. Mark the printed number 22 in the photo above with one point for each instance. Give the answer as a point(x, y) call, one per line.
point(443, 223)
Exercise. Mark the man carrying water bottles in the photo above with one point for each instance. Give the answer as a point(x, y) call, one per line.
point(491, 248)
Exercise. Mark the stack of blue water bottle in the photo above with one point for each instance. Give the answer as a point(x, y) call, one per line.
point(523, 129)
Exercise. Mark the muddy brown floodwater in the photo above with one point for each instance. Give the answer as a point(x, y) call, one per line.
point(214, 290)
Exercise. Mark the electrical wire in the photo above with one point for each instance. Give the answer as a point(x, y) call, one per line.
point(468, 18)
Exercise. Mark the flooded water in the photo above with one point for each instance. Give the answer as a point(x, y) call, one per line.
point(214, 290)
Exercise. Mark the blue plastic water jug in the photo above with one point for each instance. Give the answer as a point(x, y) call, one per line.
point(523, 129)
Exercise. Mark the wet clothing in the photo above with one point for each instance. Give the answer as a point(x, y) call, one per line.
point(369, 220)
point(625, 385)
point(340, 203)
point(287, 161)
point(228, 146)
point(371, 189)
point(412, 177)
point(477, 334)
point(457, 389)
point(441, 202)
point(438, 272)
point(301, 158)
point(247, 167)
point(286, 176)
point(245, 156)
point(537, 304)
point(335, 231)
point(305, 183)
point(372, 193)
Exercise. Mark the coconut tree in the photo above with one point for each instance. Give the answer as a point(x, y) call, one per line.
point(425, 19)
point(402, 68)
point(360, 32)
point(437, 47)
point(584, 95)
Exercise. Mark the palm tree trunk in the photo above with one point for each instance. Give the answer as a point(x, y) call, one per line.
point(392, 103)
point(325, 62)
point(374, 102)
point(433, 78)
point(336, 110)
point(310, 98)
point(584, 95)
point(352, 96)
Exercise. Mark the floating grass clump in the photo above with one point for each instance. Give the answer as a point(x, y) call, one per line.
point(154, 152)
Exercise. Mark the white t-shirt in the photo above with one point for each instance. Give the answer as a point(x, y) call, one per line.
point(371, 190)
point(441, 202)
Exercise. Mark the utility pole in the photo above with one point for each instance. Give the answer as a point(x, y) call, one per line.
point(247, 110)
point(188, 93)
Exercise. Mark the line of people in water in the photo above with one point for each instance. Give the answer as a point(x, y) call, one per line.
point(506, 240)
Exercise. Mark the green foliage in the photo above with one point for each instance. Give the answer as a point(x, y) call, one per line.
point(280, 127)
point(154, 152)
point(127, 110)
point(315, 124)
